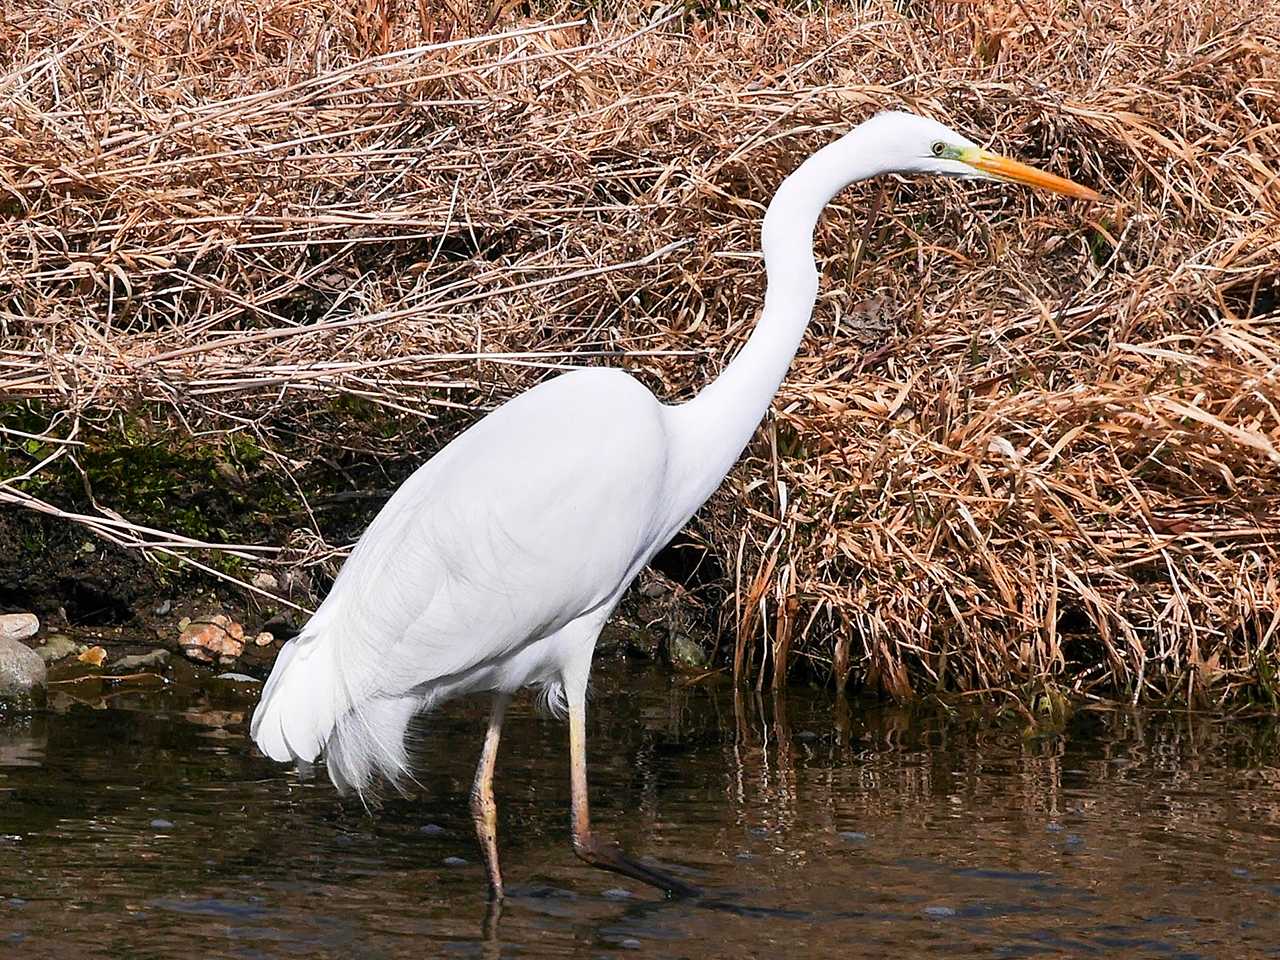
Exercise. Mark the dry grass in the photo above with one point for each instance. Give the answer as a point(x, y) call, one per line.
point(1028, 445)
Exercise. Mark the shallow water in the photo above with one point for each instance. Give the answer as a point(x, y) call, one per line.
point(144, 826)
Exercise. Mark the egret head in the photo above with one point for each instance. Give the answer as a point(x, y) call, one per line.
point(920, 145)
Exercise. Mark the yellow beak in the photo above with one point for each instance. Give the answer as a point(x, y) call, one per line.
point(1002, 168)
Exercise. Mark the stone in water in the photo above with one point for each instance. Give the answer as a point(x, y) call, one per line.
point(22, 672)
point(57, 646)
point(94, 656)
point(217, 637)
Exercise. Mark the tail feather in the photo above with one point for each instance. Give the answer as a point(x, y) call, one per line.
point(369, 740)
point(308, 708)
point(296, 712)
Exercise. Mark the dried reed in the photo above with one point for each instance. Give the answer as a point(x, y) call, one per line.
point(1027, 445)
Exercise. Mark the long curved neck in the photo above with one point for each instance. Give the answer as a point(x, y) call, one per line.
point(718, 423)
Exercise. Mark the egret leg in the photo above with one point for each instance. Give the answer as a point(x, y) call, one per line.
point(589, 849)
point(484, 811)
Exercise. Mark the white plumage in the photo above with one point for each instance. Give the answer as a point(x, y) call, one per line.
point(496, 564)
point(529, 523)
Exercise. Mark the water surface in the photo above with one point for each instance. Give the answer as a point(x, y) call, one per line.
point(144, 825)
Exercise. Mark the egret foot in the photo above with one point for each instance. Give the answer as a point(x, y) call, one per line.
point(608, 856)
point(604, 855)
point(492, 919)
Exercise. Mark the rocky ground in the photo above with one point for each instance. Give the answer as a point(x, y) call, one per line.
point(208, 635)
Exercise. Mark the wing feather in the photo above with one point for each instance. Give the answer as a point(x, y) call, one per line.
point(531, 523)
point(533, 517)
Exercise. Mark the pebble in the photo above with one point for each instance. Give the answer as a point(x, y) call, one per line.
point(433, 830)
point(18, 626)
point(57, 646)
point(94, 656)
point(852, 835)
point(454, 862)
point(22, 672)
point(265, 581)
point(616, 893)
point(264, 639)
point(631, 943)
point(161, 824)
point(164, 607)
point(939, 912)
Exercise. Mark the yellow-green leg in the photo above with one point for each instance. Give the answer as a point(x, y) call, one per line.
point(484, 811)
point(604, 855)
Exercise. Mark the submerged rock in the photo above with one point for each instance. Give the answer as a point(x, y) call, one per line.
point(685, 652)
point(615, 635)
point(154, 660)
point(22, 674)
point(624, 635)
point(18, 626)
point(642, 642)
point(660, 614)
point(58, 646)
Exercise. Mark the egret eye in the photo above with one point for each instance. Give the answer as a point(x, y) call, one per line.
point(939, 148)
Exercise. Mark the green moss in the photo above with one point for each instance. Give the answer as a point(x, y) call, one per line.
point(1267, 669)
point(220, 488)
point(1100, 245)
point(244, 450)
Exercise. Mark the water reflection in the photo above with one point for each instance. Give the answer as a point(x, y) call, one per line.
point(140, 825)
point(22, 741)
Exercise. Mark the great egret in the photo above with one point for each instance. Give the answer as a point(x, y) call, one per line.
point(496, 564)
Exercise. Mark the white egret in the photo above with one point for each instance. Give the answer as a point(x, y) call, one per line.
point(495, 565)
